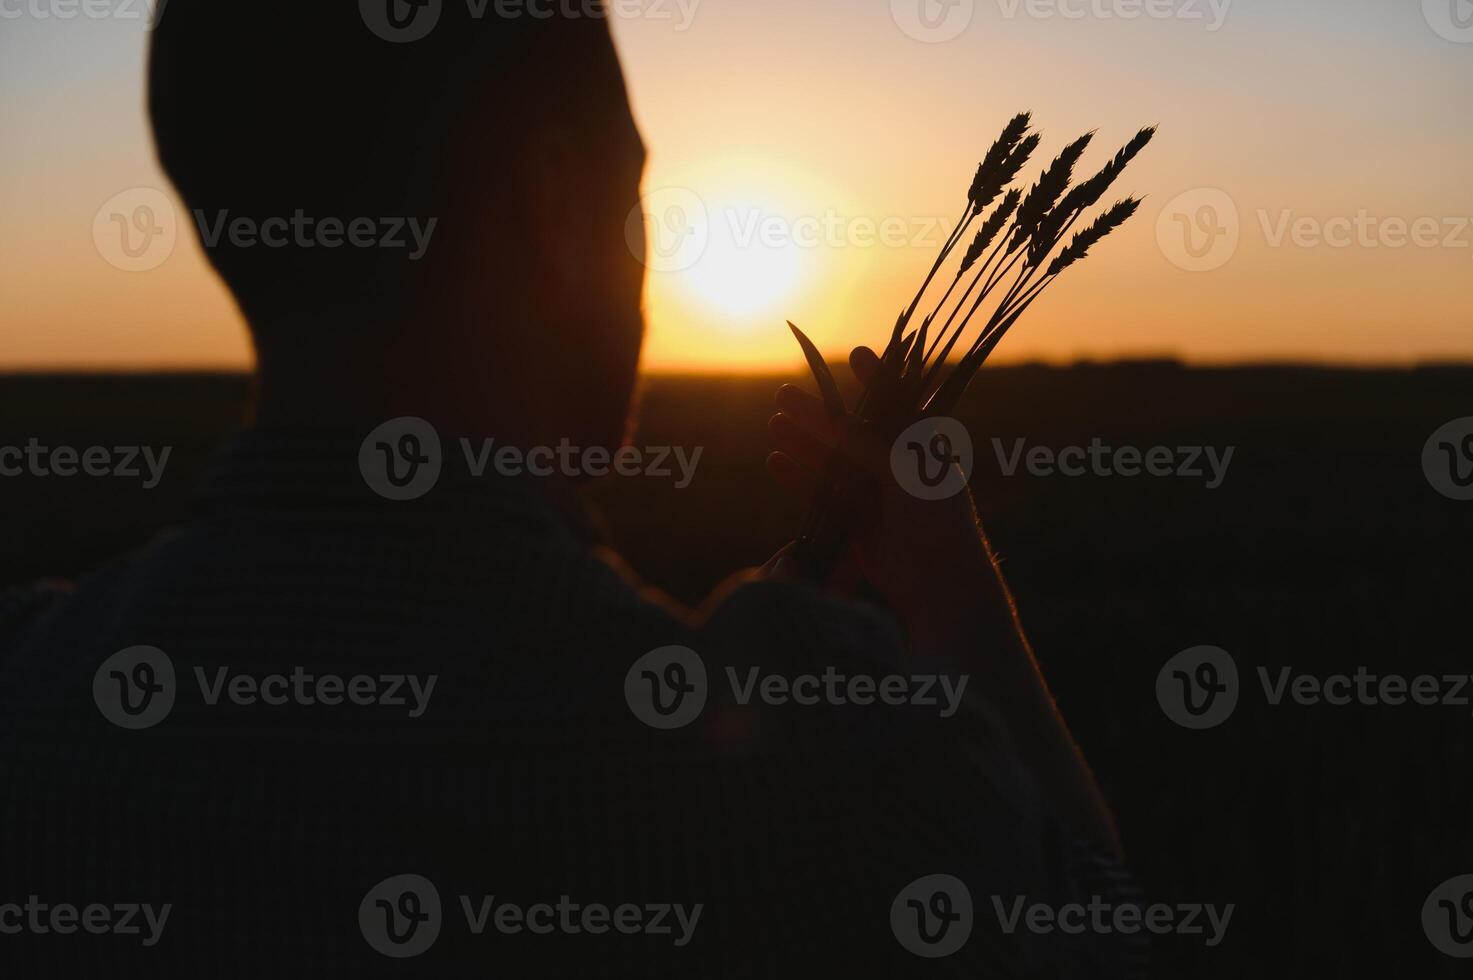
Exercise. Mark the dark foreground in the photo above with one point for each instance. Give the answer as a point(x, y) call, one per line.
point(1325, 549)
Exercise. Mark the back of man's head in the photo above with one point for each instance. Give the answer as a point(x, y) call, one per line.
point(315, 115)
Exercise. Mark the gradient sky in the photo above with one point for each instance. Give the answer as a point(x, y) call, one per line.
point(825, 118)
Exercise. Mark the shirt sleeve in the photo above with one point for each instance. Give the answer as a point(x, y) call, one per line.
point(944, 791)
point(21, 605)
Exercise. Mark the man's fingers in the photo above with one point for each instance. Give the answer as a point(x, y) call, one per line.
point(805, 431)
point(797, 442)
point(792, 476)
point(807, 411)
point(814, 447)
point(864, 363)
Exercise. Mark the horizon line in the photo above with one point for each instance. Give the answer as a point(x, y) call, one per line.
point(798, 367)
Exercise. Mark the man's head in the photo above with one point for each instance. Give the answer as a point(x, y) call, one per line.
point(431, 194)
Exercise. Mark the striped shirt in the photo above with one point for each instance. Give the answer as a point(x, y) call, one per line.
point(410, 738)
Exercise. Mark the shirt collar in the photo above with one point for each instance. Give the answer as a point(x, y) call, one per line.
point(325, 472)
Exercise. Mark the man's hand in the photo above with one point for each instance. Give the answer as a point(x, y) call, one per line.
point(931, 562)
point(927, 558)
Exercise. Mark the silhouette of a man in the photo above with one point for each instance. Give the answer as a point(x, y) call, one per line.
point(411, 713)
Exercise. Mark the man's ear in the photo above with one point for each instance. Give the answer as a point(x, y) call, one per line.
point(558, 203)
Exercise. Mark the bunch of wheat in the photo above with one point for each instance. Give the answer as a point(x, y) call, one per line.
point(1013, 257)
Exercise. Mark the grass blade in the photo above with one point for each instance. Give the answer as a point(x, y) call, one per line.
point(827, 387)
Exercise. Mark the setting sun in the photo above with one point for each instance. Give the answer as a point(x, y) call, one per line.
point(751, 262)
point(733, 248)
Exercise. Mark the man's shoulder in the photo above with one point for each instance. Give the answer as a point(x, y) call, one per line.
point(791, 618)
point(23, 605)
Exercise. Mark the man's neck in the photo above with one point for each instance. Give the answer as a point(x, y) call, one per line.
point(348, 391)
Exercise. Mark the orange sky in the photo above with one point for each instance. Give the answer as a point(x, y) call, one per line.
point(815, 150)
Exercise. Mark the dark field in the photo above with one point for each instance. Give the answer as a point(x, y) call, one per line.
point(1325, 549)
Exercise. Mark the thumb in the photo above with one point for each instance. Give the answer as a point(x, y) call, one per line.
point(864, 363)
